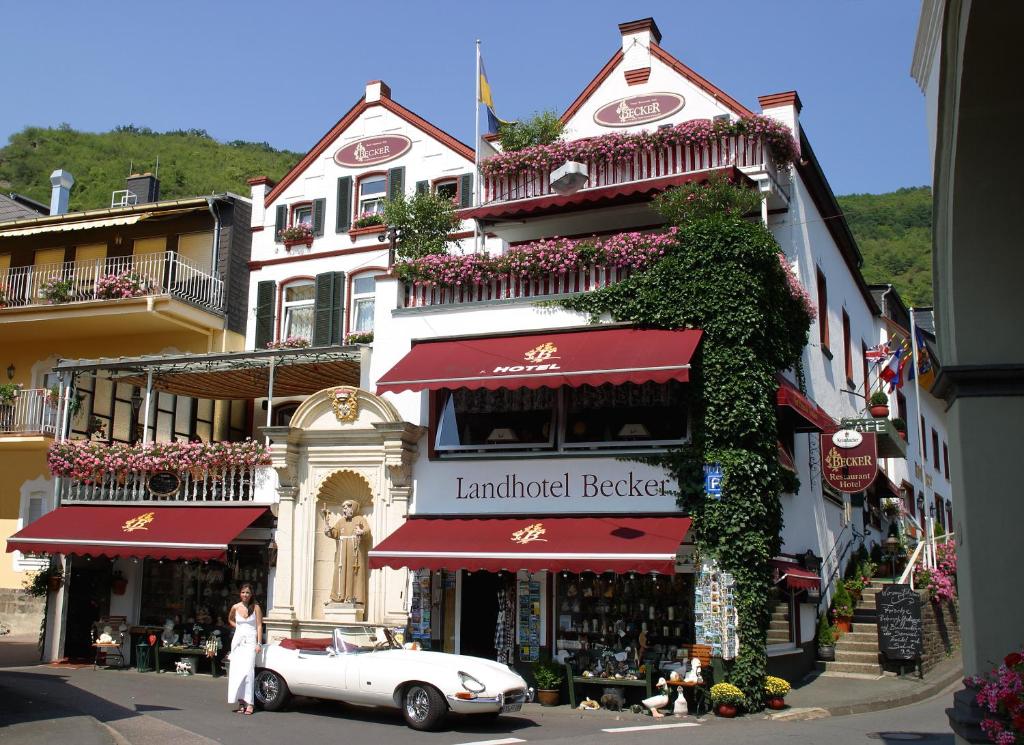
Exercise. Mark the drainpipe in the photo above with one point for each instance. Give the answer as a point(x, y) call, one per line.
point(215, 259)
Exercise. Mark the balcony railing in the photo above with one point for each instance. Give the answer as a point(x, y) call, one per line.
point(162, 273)
point(214, 486)
point(515, 288)
point(675, 160)
point(30, 412)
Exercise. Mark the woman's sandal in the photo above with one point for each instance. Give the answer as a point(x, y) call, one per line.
point(239, 710)
point(248, 710)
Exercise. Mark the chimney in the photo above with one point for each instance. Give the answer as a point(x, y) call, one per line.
point(376, 90)
point(784, 107)
point(637, 38)
point(145, 187)
point(62, 182)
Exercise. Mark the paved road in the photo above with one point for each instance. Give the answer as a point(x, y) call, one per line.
point(43, 704)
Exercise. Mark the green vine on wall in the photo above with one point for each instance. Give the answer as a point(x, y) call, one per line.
point(724, 276)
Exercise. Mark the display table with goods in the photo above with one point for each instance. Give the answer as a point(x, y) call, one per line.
point(620, 630)
point(191, 655)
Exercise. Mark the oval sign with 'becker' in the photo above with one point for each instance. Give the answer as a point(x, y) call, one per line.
point(164, 484)
point(372, 150)
point(650, 107)
point(847, 438)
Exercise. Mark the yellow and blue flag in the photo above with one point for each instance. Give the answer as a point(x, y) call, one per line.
point(493, 122)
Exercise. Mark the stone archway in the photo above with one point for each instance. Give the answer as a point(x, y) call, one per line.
point(343, 484)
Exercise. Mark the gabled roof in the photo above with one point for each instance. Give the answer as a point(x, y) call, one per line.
point(701, 82)
point(346, 121)
point(16, 207)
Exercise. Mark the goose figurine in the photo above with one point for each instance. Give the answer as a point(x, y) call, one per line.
point(657, 702)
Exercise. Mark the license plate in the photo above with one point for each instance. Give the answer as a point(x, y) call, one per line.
point(511, 707)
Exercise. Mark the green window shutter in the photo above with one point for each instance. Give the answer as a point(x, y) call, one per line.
point(329, 309)
point(319, 205)
point(422, 187)
point(265, 292)
point(396, 182)
point(466, 190)
point(280, 221)
point(344, 218)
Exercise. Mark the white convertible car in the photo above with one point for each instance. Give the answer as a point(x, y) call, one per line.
point(363, 664)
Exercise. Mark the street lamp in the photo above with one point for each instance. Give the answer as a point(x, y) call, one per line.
point(390, 234)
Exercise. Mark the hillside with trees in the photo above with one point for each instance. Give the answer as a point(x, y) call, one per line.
point(191, 162)
point(893, 230)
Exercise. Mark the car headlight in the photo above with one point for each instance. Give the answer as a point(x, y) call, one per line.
point(470, 683)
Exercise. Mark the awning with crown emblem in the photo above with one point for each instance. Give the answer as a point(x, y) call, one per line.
point(571, 544)
point(592, 355)
point(141, 531)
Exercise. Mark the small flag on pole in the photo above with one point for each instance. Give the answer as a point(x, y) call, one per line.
point(493, 122)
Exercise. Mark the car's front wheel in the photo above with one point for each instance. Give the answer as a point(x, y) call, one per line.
point(271, 690)
point(423, 706)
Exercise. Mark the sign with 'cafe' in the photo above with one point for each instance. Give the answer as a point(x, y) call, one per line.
point(846, 464)
point(372, 150)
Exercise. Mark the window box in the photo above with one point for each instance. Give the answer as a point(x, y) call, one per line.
point(368, 230)
point(307, 242)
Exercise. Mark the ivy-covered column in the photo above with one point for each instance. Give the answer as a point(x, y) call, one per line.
point(726, 276)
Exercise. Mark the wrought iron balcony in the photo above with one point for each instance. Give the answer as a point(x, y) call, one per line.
point(231, 485)
point(30, 412)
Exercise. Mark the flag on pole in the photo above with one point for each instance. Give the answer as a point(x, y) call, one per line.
point(487, 99)
point(879, 353)
point(924, 366)
point(892, 371)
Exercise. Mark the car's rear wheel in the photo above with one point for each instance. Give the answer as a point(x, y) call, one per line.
point(423, 706)
point(271, 690)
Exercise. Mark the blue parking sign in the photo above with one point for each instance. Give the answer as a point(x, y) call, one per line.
point(713, 480)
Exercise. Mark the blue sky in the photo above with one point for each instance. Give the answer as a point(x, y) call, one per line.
point(286, 72)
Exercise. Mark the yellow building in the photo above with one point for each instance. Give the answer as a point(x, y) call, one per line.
point(143, 276)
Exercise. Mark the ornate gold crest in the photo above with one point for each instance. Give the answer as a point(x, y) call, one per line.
point(529, 534)
point(542, 353)
point(345, 402)
point(138, 523)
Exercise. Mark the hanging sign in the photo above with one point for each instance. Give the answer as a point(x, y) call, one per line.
point(847, 468)
point(164, 484)
point(650, 107)
point(371, 150)
point(847, 438)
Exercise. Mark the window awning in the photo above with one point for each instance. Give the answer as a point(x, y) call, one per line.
point(141, 531)
point(794, 576)
point(573, 544)
point(588, 356)
point(809, 417)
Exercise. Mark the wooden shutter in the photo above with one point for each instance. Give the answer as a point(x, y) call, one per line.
point(466, 190)
point(344, 217)
point(319, 205)
point(328, 309)
point(280, 221)
point(396, 182)
point(265, 292)
point(422, 187)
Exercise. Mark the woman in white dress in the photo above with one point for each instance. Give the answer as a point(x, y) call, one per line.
point(246, 618)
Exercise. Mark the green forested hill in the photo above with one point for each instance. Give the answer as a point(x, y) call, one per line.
point(894, 232)
point(191, 162)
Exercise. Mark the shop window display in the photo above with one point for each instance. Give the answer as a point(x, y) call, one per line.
point(611, 624)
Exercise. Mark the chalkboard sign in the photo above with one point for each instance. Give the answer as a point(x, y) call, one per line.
point(899, 623)
point(164, 484)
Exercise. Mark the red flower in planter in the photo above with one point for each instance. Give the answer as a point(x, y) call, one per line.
point(1014, 658)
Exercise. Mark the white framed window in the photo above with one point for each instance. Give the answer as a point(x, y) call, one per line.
point(36, 501)
point(448, 187)
point(297, 301)
point(372, 193)
point(302, 215)
point(363, 292)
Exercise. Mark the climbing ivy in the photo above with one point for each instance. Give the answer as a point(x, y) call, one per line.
point(724, 276)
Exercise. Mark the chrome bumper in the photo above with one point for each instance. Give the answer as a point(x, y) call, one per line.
point(483, 704)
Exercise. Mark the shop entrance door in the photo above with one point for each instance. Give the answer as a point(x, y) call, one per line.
point(88, 601)
point(479, 616)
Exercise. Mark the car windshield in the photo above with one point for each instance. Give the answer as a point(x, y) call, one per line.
point(356, 639)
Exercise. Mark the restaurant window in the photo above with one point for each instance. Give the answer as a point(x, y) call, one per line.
point(448, 187)
point(945, 461)
point(822, 311)
point(935, 449)
point(569, 419)
point(372, 194)
point(847, 356)
point(364, 288)
point(297, 310)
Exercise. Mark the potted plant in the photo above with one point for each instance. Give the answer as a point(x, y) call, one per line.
point(855, 586)
point(57, 290)
point(118, 583)
point(727, 699)
point(826, 639)
point(878, 404)
point(359, 337)
point(46, 580)
point(293, 235)
point(842, 608)
point(901, 427)
point(548, 677)
point(368, 219)
point(775, 690)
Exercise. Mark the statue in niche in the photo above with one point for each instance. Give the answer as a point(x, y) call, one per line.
point(352, 533)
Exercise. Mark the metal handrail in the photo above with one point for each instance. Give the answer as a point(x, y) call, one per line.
point(928, 541)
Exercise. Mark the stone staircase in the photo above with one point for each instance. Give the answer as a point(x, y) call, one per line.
point(778, 629)
point(857, 650)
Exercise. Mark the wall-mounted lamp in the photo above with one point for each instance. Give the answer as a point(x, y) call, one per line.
point(920, 503)
point(931, 511)
point(10, 371)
